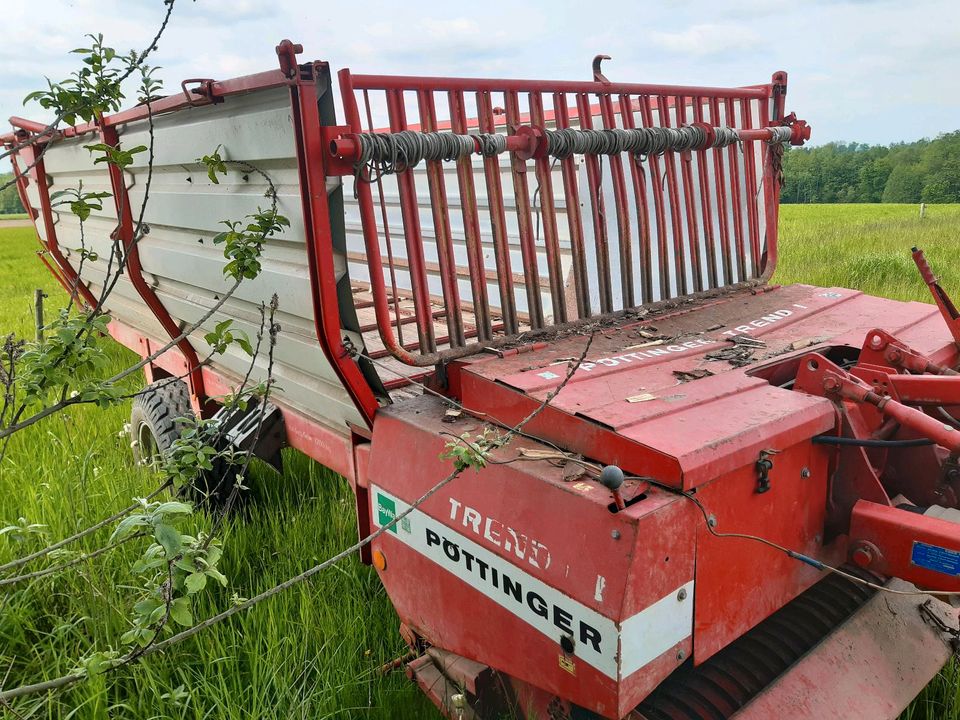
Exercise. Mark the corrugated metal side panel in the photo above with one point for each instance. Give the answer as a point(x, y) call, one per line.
point(67, 163)
point(184, 212)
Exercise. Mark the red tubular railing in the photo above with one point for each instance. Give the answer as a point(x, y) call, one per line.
point(471, 224)
point(685, 222)
point(521, 194)
point(546, 213)
point(129, 255)
point(70, 279)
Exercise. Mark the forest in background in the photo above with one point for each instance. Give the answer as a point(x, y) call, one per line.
point(922, 171)
point(9, 200)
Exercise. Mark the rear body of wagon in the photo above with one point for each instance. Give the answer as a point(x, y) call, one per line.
point(466, 254)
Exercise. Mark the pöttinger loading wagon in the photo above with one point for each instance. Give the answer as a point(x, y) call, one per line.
point(660, 541)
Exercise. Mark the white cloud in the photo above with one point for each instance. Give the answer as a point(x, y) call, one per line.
point(870, 70)
point(709, 39)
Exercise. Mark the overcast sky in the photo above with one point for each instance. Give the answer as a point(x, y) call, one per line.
point(873, 71)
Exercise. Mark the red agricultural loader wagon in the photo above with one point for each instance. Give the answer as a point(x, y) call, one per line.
point(733, 498)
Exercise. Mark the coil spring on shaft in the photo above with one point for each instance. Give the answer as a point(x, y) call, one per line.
point(387, 153)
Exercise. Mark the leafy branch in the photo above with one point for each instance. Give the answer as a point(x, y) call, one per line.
point(104, 662)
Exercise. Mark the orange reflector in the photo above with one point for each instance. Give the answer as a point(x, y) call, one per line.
point(379, 560)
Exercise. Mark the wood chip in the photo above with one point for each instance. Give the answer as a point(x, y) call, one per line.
point(643, 397)
point(689, 375)
point(747, 340)
point(646, 344)
point(572, 471)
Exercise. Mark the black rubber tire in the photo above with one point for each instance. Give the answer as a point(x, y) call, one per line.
point(154, 419)
point(154, 426)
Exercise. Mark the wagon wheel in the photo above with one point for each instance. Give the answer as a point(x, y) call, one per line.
point(154, 418)
point(155, 425)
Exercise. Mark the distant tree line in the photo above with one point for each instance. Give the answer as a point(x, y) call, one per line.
point(9, 200)
point(922, 171)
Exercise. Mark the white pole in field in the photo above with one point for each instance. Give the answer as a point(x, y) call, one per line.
point(923, 210)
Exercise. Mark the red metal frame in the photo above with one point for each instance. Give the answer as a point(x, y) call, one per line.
point(215, 91)
point(67, 276)
point(950, 313)
point(21, 182)
point(883, 539)
point(311, 148)
point(130, 259)
point(628, 557)
point(527, 141)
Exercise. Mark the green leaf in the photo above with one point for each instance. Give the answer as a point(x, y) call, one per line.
point(168, 537)
point(147, 606)
point(195, 582)
point(100, 662)
point(244, 342)
point(180, 612)
point(127, 527)
point(213, 555)
point(130, 636)
point(217, 575)
point(174, 507)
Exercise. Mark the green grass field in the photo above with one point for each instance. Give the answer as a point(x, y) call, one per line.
point(314, 651)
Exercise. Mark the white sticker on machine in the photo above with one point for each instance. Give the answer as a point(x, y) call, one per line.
point(640, 639)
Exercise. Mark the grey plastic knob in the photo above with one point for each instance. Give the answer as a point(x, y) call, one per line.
point(611, 477)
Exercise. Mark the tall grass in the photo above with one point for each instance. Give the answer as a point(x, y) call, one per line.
point(867, 247)
point(312, 652)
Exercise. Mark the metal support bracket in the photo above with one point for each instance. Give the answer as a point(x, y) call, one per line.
point(131, 263)
point(949, 311)
point(764, 465)
point(259, 429)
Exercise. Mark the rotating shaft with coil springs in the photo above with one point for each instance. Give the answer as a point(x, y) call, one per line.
point(387, 153)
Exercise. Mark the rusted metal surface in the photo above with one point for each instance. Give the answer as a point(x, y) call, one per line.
point(898, 650)
point(949, 311)
point(730, 680)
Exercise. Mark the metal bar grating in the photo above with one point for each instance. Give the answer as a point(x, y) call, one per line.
point(497, 246)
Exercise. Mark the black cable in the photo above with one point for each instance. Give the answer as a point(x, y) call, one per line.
point(947, 417)
point(711, 522)
point(864, 442)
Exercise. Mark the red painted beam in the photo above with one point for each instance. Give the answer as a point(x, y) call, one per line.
point(126, 240)
point(916, 548)
point(316, 222)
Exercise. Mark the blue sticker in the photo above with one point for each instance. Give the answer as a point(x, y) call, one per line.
point(936, 558)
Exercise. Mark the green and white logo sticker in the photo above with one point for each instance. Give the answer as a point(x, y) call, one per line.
point(386, 512)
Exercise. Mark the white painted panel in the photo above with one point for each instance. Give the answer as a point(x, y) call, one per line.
point(184, 212)
point(617, 651)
